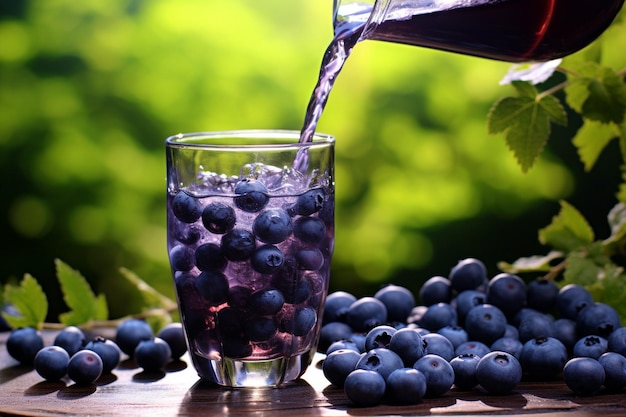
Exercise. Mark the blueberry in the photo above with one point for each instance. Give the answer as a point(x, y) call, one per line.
point(366, 313)
point(304, 320)
point(468, 274)
point(259, 329)
point(188, 235)
point(382, 360)
point(209, 256)
point(84, 367)
point(617, 341)
point(213, 287)
point(436, 344)
point(466, 300)
point(408, 344)
point(406, 386)
point(614, 366)
point(464, 367)
point(590, 346)
point(23, 344)
point(218, 218)
point(597, 319)
point(474, 347)
point(238, 244)
point(543, 357)
point(379, 337)
point(309, 230)
point(435, 290)
point(272, 226)
point(343, 345)
point(51, 362)
point(174, 335)
point(182, 258)
point(509, 345)
point(153, 355)
point(565, 331)
point(236, 347)
point(507, 292)
point(266, 302)
point(584, 376)
point(332, 332)
point(296, 287)
point(186, 208)
point(511, 332)
point(130, 332)
point(252, 195)
point(541, 295)
point(498, 372)
point(535, 325)
point(71, 338)
point(455, 334)
point(398, 300)
point(438, 372)
point(310, 202)
point(229, 321)
point(109, 352)
point(267, 259)
point(338, 364)
point(437, 316)
point(365, 387)
point(571, 299)
point(485, 323)
point(310, 259)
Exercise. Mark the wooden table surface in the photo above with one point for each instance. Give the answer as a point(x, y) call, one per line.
point(131, 392)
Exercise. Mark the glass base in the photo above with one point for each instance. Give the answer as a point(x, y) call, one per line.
point(236, 373)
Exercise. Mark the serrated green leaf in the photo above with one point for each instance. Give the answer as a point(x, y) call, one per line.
point(591, 139)
point(29, 301)
point(531, 264)
point(577, 93)
point(568, 231)
point(581, 270)
point(504, 112)
point(555, 110)
point(526, 127)
point(525, 121)
point(525, 89)
point(607, 98)
point(83, 304)
point(151, 297)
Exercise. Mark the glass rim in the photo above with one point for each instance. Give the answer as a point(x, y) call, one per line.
point(186, 140)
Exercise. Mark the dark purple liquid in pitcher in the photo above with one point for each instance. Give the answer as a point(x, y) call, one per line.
point(505, 30)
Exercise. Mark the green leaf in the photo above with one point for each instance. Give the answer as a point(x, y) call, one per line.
point(591, 139)
point(617, 222)
point(607, 98)
point(531, 263)
point(568, 231)
point(597, 93)
point(29, 301)
point(525, 89)
point(151, 297)
point(77, 294)
point(525, 121)
point(581, 270)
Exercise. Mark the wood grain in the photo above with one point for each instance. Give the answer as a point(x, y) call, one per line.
point(178, 391)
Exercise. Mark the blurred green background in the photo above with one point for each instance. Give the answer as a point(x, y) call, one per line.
point(89, 91)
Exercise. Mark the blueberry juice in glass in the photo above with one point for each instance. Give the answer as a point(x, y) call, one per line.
point(250, 218)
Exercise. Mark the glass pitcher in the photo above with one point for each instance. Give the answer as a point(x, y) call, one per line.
point(505, 30)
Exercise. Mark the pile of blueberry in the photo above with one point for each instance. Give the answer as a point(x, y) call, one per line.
point(470, 332)
point(84, 361)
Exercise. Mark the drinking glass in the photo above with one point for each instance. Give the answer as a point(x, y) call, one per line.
point(250, 217)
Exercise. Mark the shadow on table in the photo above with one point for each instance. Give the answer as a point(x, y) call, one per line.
point(7, 374)
point(204, 398)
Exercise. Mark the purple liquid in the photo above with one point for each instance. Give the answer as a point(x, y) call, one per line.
point(220, 322)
